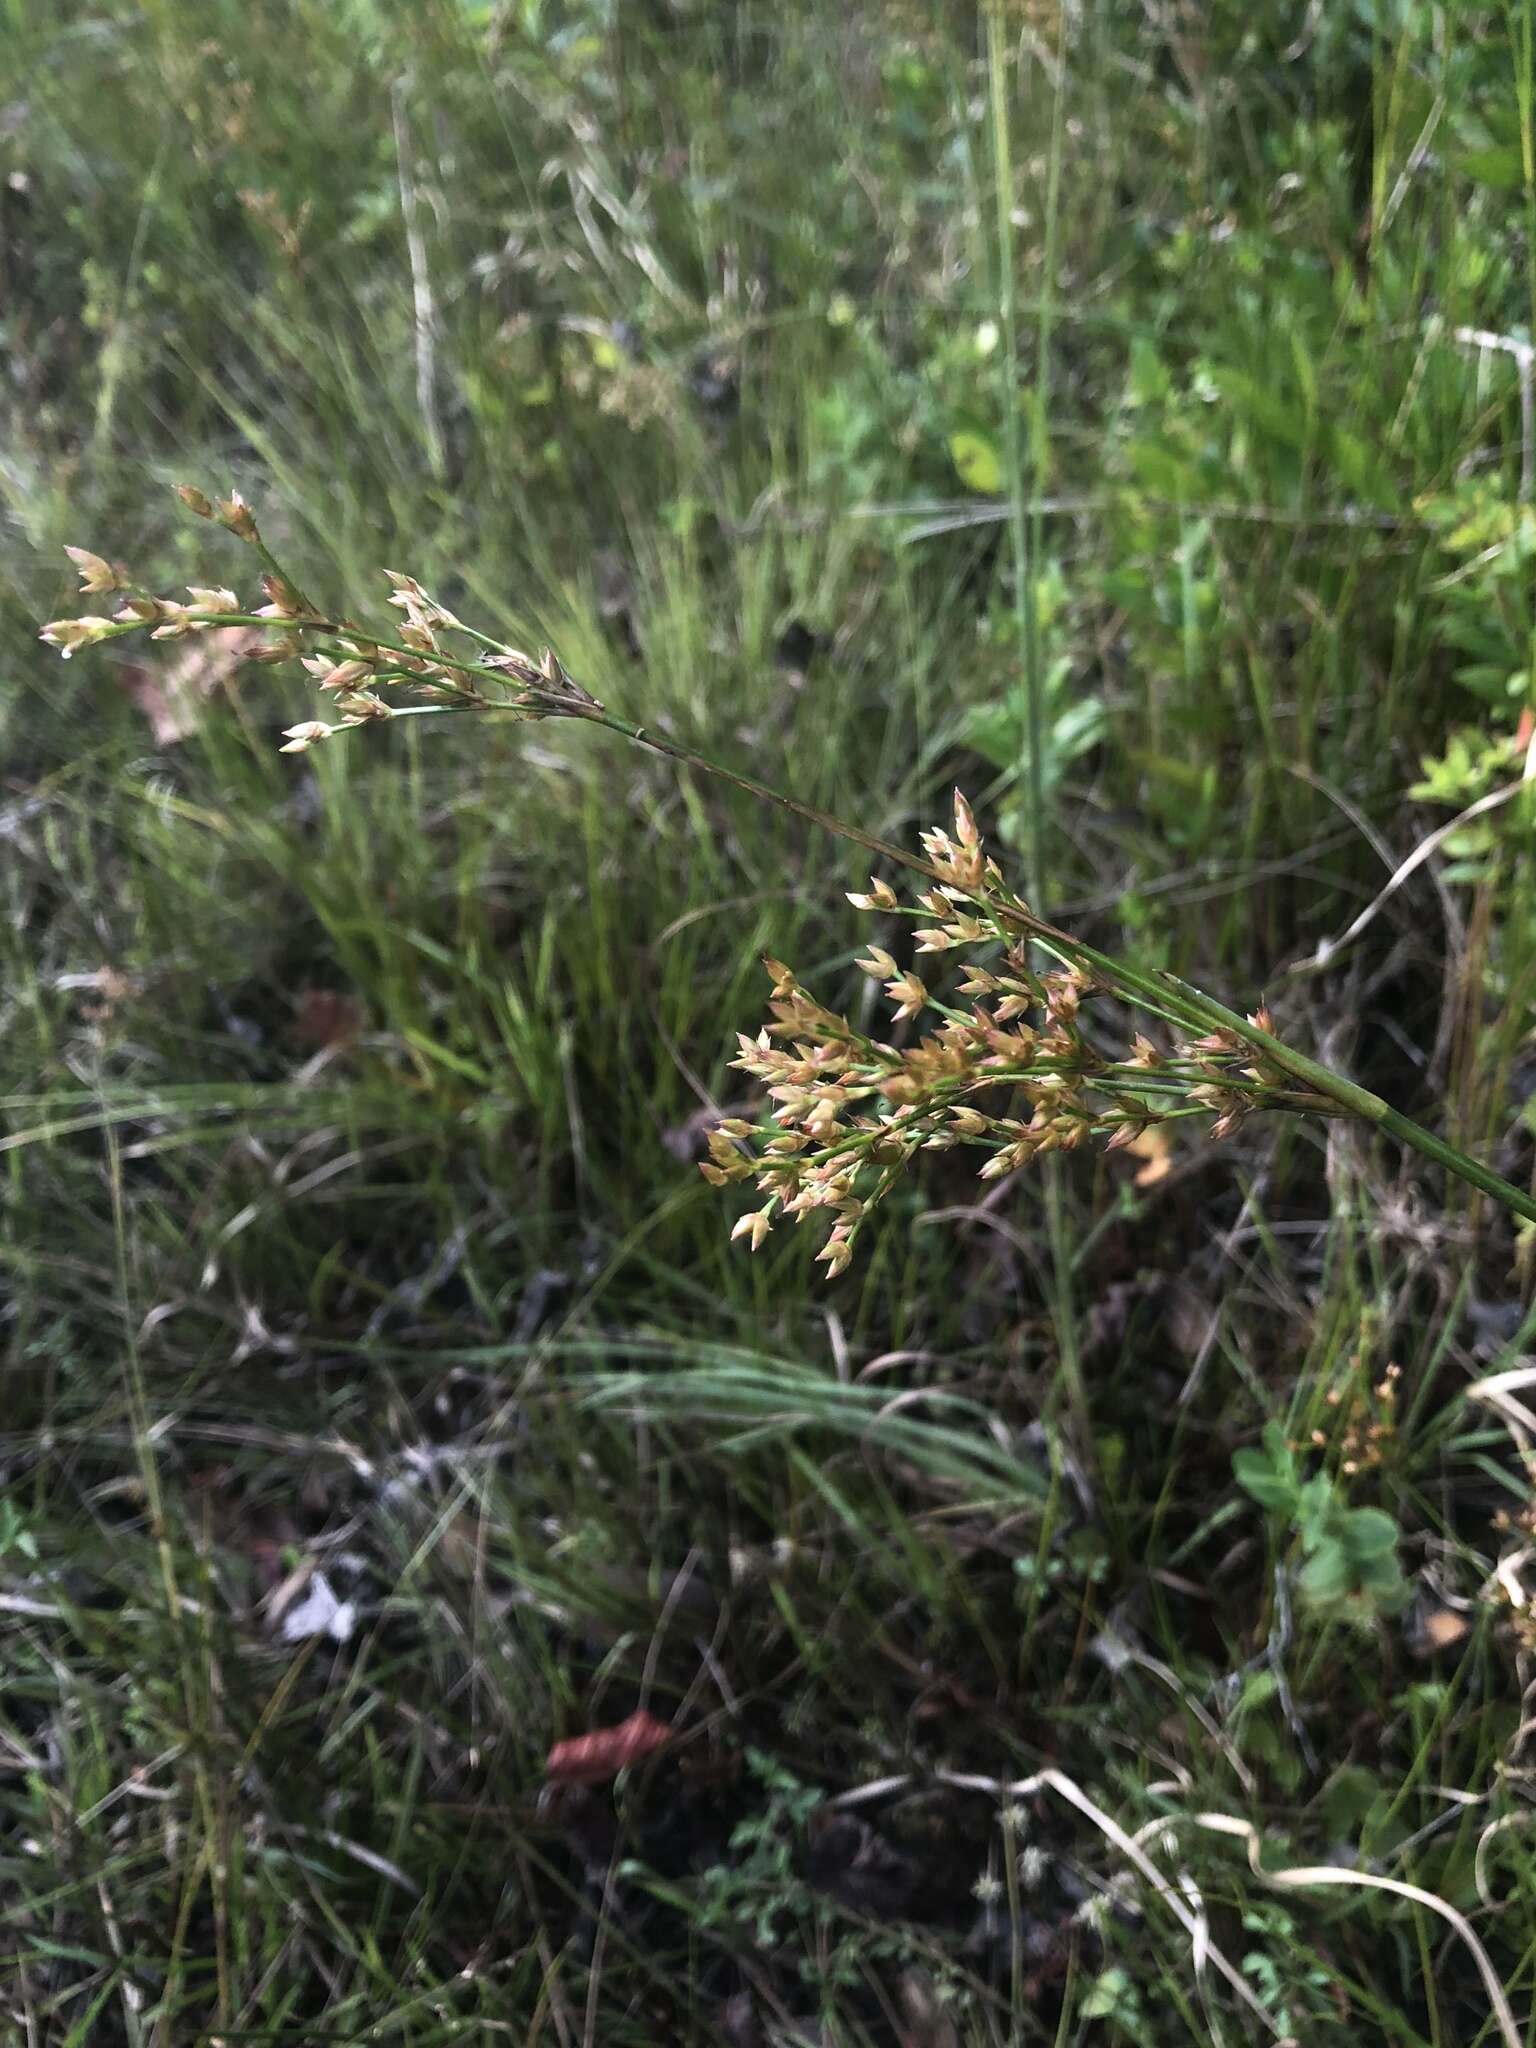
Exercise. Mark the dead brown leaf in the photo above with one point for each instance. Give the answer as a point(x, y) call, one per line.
point(1432, 1629)
point(109, 985)
point(594, 1759)
point(262, 1531)
point(848, 1859)
point(328, 1019)
point(1154, 1147)
point(1191, 1319)
point(170, 696)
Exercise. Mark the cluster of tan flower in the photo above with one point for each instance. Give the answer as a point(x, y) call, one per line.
point(1011, 1072)
point(1365, 1421)
point(348, 662)
point(166, 618)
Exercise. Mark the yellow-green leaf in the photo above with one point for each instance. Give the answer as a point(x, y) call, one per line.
point(977, 462)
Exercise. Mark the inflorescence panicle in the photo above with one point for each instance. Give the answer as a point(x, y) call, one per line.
point(1001, 1063)
point(348, 663)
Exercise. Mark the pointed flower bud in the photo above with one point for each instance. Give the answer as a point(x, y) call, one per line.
point(308, 734)
point(69, 634)
point(97, 575)
point(234, 513)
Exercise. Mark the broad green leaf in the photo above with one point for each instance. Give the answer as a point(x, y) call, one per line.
point(1160, 471)
point(1150, 381)
point(1348, 1797)
point(1499, 166)
point(1254, 1473)
point(1314, 1509)
point(1278, 1448)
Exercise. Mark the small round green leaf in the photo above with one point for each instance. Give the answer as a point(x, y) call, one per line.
point(1368, 1532)
point(977, 462)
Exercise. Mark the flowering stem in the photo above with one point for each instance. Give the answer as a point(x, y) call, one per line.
point(548, 691)
point(1160, 991)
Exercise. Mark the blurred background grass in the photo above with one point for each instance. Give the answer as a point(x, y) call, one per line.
point(351, 1235)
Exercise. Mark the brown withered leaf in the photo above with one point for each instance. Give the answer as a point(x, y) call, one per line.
point(595, 1758)
point(108, 985)
point(170, 695)
point(1191, 1319)
point(1154, 1148)
point(1430, 1629)
point(738, 2025)
point(262, 1531)
point(327, 1019)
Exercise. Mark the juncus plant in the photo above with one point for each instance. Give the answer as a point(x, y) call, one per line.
point(1000, 1059)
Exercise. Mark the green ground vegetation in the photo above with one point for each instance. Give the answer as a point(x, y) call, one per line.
point(1122, 410)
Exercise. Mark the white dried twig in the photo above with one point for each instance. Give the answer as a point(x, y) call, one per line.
point(1331, 948)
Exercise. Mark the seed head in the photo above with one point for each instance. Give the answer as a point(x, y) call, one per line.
point(97, 575)
point(302, 737)
point(837, 1253)
point(754, 1226)
point(234, 513)
point(908, 993)
point(281, 649)
point(68, 634)
point(336, 675)
point(421, 611)
point(358, 706)
point(176, 620)
point(1127, 1134)
point(283, 601)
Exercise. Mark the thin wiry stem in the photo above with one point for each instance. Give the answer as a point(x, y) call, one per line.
point(1027, 547)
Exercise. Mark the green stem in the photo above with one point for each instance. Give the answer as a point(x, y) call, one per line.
point(1026, 611)
point(1028, 551)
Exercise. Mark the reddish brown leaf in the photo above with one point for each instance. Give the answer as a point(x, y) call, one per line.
point(593, 1759)
point(327, 1018)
